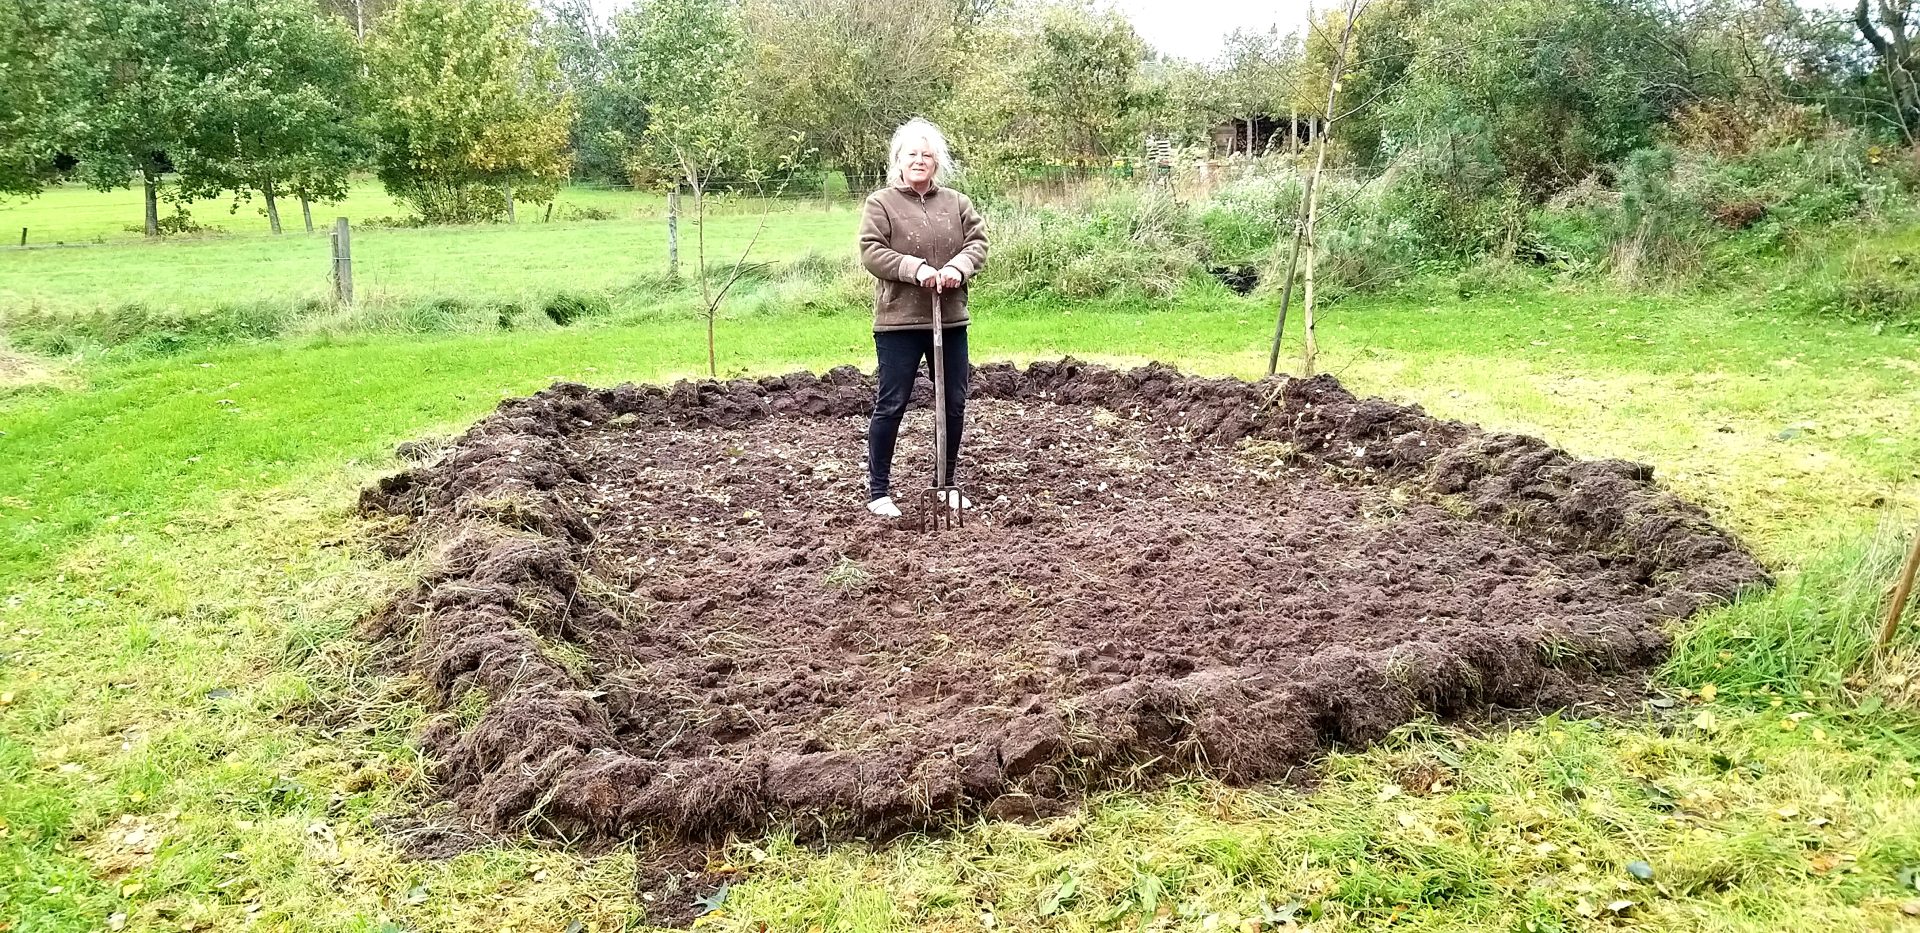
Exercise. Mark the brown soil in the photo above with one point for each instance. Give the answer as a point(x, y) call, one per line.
point(679, 618)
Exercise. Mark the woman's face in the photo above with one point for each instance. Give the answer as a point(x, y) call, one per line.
point(921, 163)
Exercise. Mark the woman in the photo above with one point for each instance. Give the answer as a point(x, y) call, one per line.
point(917, 237)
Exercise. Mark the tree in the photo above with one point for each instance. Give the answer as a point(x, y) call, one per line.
point(359, 15)
point(609, 117)
point(1083, 79)
point(26, 86)
point(683, 58)
point(1305, 226)
point(470, 106)
point(1189, 100)
point(1892, 27)
point(833, 72)
point(990, 115)
point(129, 73)
point(1255, 76)
point(277, 111)
point(1560, 89)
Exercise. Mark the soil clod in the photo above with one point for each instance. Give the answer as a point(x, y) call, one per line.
point(665, 609)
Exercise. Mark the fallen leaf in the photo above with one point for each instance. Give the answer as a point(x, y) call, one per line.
point(1707, 691)
point(713, 902)
point(1640, 870)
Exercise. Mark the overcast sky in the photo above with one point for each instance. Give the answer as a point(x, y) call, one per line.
point(1193, 29)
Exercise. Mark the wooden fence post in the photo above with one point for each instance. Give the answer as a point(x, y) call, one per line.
point(342, 262)
point(23, 236)
point(673, 232)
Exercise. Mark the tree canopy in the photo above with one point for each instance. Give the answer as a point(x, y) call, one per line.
point(468, 104)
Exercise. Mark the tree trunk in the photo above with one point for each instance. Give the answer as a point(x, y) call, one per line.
point(673, 232)
point(273, 207)
point(1312, 348)
point(1293, 129)
point(306, 211)
point(510, 215)
point(152, 185)
point(1293, 267)
point(706, 295)
point(1895, 48)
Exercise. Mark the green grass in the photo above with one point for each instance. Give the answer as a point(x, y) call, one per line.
point(191, 736)
point(521, 262)
point(71, 214)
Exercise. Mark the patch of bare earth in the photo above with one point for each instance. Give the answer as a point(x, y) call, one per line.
point(679, 618)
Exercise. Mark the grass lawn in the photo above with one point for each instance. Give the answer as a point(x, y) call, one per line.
point(525, 261)
point(191, 737)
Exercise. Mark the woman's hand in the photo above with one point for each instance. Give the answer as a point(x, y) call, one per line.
point(949, 278)
point(926, 276)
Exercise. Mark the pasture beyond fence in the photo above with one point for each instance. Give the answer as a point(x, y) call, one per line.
point(81, 254)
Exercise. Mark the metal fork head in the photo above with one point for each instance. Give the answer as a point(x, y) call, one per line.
point(935, 512)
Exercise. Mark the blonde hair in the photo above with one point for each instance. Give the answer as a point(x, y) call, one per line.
point(906, 137)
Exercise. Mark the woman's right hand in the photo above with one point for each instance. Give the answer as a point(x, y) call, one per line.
point(926, 275)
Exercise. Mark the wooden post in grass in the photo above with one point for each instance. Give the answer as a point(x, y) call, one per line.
point(673, 232)
point(1902, 589)
point(23, 236)
point(342, 262)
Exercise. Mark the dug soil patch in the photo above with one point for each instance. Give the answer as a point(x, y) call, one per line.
point(666, 609)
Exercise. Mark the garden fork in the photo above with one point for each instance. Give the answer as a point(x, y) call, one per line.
point(942, 509)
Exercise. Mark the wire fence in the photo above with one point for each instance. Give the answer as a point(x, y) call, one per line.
point(589, 239)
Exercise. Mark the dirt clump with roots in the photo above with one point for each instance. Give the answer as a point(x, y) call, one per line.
point(662, 610)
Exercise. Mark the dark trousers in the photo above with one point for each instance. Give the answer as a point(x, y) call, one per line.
point(901, 353)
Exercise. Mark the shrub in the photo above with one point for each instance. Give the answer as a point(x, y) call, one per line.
point(178, 223)
point(1867, 285)
point(1243, 222)
point(1140, 243)
point(565, 308)
point(572, 212)
point(815, 266)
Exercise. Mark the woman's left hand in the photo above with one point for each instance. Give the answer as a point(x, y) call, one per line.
point(949, 278)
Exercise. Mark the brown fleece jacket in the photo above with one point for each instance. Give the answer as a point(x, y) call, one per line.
point(899, 231)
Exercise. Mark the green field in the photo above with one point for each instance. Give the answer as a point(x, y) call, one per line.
point(528, 260)
point(192, 737)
